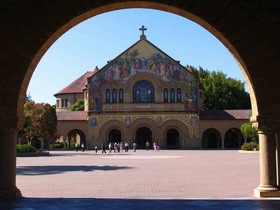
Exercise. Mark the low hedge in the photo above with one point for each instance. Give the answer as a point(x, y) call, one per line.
point(22, 148)
point(57, 145)
point(251, 146)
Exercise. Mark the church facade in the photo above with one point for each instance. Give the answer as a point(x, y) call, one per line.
point(145, 95)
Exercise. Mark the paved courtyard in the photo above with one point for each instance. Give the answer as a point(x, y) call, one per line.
point(190, 179)
point(183, 174)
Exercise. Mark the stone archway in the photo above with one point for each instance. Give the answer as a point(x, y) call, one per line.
point(251, 36)
point(115, 136)
point(211, 138)
point(233, 138)
point(143, 135)
point(76, 136)
point(172, 139)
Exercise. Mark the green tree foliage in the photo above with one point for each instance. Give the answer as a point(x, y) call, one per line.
point(222, 92)
point(28, 98)
point(40, 122)
point(249, 133)
point(78, 106)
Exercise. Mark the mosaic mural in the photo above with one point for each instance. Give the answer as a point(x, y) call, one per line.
point(142, 57)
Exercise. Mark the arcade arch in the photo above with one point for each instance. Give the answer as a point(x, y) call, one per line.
point(76, 136)
point(233, 138)
point(111, 128)
point(143, 135)
point(115, 136)
point(172, 139)
point(251, 38)
point(211, 138)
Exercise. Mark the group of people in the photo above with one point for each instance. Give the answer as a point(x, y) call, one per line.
point(77, 147)
point(117, 147)
point(155, 146)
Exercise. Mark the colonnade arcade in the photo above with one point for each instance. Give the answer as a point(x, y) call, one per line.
point(249, 31)
point(171, 135)
point(212, 138)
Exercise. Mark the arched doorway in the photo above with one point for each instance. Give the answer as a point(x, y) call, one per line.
point(172, 139)
point(76, 136)
point(143, 135)
point(211, 138)
point(233, 138)
point(115, 136)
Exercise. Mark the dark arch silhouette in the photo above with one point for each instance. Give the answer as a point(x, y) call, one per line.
point(143, 135)
point(172, 139)
point(74, 134)
point(211, 138)
point(115, 136)
point(233, 138)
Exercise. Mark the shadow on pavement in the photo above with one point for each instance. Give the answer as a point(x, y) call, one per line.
point(46, 170)
point(92, 203)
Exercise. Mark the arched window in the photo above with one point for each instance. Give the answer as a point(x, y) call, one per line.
point(121, 96)
point(108, 96)
point(165, 95)
point(172, 95)
point(179, 96)
point(143, 92)
point(114, 96)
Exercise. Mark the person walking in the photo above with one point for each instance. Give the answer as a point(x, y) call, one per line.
point(155, 146)
point(83, 147)
point(76, 146)
point(103, 148)
point(110, 147)
point(126, 147)
point(96, 149)
point(134, 147)
point(147, 145)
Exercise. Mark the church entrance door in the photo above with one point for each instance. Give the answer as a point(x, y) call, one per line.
point(172, 139)
point(143, 135)
point(212, 140)
point(115, 136)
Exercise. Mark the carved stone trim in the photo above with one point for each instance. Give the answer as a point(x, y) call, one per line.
point(8, 125)
point(267, 123)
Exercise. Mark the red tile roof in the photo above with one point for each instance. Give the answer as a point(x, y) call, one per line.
point(69, 115)
point(78, 85)
point(242, 114)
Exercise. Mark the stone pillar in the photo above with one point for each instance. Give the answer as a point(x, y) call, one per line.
point(223, 143)
point(8, 138)
point(267, 153)
point(278, 157)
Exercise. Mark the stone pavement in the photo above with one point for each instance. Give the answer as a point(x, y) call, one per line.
point(145, 179)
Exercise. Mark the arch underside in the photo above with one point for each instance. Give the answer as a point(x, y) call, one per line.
point(240, 26)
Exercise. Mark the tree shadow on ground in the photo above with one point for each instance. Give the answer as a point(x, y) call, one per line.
point(110, 203)
point(46, 170)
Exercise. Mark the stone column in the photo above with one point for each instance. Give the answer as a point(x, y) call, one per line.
point(8, 137)
point(267, 154)
point(278, 157)
point(223, 143)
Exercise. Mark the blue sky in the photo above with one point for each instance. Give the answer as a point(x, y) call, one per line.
point(103, 37)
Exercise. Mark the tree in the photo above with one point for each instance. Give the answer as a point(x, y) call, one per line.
point(221, 92)
point(40, 122)
point(249, 132)
point(78, 106)
point(28, 98)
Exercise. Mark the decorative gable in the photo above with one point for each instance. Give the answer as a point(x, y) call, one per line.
point(143, 56)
